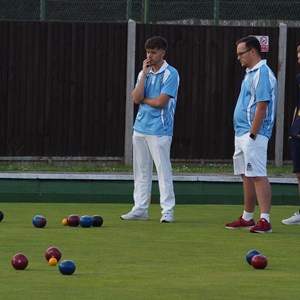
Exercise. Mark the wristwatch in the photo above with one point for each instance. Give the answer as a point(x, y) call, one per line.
point(252, 136)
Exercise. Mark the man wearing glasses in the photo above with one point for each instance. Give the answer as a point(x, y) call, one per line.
point(254, 117)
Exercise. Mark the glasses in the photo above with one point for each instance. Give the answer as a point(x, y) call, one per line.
point(240, 54)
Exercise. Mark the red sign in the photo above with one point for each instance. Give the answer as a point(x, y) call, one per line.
point(264, 42)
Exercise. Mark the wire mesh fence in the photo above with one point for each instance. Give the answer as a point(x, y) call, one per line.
point(213, 12)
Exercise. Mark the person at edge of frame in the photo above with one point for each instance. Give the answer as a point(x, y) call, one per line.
point(294, 144)
point(254, 117)
point(156, 94)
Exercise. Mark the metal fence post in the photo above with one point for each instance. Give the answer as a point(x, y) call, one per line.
point(282, 40)
point(216, 11)
point(146, 11)
point(129, 10)
point(131, 45)
point(42, 10)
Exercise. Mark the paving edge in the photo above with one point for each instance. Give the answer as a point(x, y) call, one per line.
point(129, 177)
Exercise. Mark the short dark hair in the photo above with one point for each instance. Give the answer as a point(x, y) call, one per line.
point(157, 42)
point(251, 42)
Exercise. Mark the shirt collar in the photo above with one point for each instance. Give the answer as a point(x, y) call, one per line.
point(162, 68)
point(257, 66)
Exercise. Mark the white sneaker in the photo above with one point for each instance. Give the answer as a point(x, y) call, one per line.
point(293, 220)
point(167, 218)
point(134, 216)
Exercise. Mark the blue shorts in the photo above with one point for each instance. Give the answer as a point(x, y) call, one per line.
point(294, 144)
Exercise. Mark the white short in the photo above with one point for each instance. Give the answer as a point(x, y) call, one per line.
point(250, 157)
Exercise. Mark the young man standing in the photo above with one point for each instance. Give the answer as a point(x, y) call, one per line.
point(254, 117)
point(294, 143)
point(156, 94)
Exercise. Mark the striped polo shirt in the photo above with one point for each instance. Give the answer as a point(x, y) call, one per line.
point(152, 120)
point(259, 85)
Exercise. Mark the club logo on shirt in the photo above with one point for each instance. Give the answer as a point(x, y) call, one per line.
point(249, 167)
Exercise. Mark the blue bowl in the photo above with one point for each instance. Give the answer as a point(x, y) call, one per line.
point(67, 267)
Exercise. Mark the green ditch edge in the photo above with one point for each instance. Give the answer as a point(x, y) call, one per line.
point(103, 191)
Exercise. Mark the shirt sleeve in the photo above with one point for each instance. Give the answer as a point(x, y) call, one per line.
point(170, 83)
point(263, 88)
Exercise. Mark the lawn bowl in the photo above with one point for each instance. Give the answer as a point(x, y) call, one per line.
point(97, 221)
point(53, 252)
point(1, 215)
point(67, 267)
point(19, 261)
point(73, 220)
point(39, 221)
point(86, 221)
point(250, 254)
point(259, 261)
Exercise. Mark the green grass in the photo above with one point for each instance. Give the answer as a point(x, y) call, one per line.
point(193, 258)
point(285, 170)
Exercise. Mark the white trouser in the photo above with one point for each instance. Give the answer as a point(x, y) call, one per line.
point(146, 150)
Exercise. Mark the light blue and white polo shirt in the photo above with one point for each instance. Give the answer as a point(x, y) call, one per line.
point(259, 84)
point(152, 120)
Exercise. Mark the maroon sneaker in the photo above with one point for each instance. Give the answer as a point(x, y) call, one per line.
point(262, 226)
point(240, 223)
